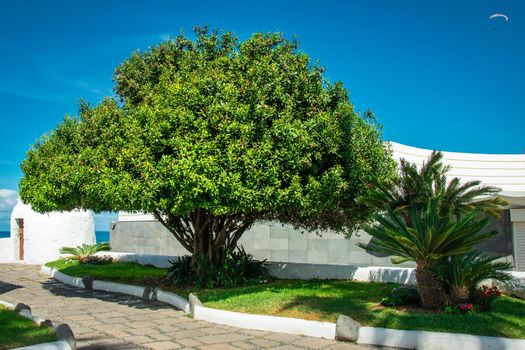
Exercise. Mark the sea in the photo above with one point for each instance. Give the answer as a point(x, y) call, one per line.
point(101, 236)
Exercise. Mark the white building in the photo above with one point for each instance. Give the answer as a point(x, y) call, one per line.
point(37, 238)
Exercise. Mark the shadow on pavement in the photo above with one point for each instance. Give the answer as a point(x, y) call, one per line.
point(64, 290)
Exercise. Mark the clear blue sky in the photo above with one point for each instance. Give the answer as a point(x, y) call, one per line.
point(438, 74)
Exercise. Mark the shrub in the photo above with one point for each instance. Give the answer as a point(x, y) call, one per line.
point(461, 309)
point(97, 260)
point(85, 253)
point(180, 272)
point(402, 295)
point(485, 297)
point(482, 300)
point(235, 268)
point(462, 274)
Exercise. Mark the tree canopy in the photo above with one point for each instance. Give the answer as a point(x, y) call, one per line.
point(211, 135)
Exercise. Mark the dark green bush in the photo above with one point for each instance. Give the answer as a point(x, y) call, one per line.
point(402, 295)
point(236, 268)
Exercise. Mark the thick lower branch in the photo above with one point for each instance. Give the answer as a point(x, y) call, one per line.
point(204, 234)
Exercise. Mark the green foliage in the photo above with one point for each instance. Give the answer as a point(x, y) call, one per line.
point(469, 270)
point(229, 127)
point(401, 296)
point(485, 297)
point(426, 237)
point(121, 272)
point(234, 269)
point(417, 186)
point(428, 218)
point(461, 309)
point(17, 331)
point(85, 253)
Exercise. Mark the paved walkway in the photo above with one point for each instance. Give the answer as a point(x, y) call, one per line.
point(103, 320)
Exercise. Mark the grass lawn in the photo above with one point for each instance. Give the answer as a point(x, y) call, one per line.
point(324, 301)
point(17, 331)
point(129, 273)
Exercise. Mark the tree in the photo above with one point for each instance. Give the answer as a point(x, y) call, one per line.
point(416, 191)
point(426, 239)
point(210, 136)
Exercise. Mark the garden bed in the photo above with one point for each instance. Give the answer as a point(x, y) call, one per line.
point(17, 331)
point(320, 300)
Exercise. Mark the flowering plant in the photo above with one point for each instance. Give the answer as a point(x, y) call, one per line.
point(462, 309)
point(485, 297)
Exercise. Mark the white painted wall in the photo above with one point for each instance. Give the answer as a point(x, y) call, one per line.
point(45, 234)
point(6, 250)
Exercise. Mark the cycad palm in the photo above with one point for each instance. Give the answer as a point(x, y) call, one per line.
point(426, 237)
point(82, 251)
point(463, 273)
point(425, 214)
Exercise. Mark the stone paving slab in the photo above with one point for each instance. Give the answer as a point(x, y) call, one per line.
point(102, 320)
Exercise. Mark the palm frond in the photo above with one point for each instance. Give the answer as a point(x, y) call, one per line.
point(85, 250)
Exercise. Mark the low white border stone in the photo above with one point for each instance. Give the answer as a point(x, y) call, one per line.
point(266, 323)
point(174, 300)
point(72, 281)
point(434, 340)
point(57, 345)
point(118, 288)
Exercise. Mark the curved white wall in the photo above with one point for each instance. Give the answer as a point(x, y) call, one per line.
point(45, 234)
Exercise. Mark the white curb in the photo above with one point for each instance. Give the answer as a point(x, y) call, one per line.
point(57, 345)
point(174, 300)
point(72, 281)
point(266, 323)
point(434, 340)
point(119, 288)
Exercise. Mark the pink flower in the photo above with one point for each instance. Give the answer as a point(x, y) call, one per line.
point(469, 306)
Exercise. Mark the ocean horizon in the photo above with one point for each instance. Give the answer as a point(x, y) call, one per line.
point(101, 236)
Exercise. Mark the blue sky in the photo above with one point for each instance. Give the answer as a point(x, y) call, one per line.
point(438, 74)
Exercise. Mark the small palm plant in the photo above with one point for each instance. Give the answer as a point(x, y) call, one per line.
point(464, 273)
point(427, 238)
point(84, 252)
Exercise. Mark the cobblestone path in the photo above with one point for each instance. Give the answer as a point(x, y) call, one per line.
point(103, 320)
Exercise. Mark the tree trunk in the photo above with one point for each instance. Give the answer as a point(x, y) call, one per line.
point(431, 289)
point(205, 235)
point(459, 294)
